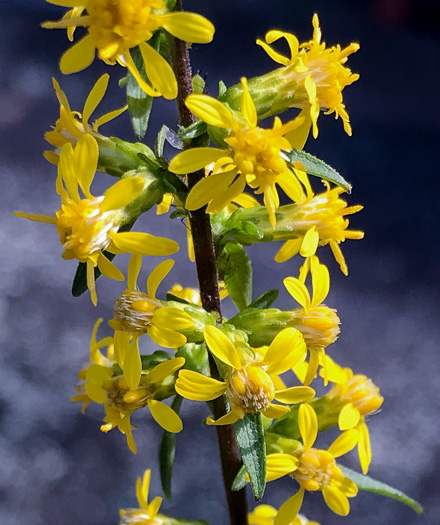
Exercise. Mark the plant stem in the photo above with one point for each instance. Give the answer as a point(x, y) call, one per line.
point(208, 282)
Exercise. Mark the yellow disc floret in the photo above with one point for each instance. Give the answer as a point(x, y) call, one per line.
point(250, 388)
point(316, 469)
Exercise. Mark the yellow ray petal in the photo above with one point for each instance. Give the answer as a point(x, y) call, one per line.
point(134, 267)
point(308, 425)
point(210, 188)
point(86, 156)
point(190, 27)
point(121, 346)
point(289, 509)
point(142, 488)
point(153, 507)
point(144, 243)
point(211, 111)
point(165, 369)
point(344, 443)
point(166, 337)
point(157, 276)
point(108, 269)
point(336, 500)
point(194, 159)
point(295, 394)
point(36, 217)
point(274, 55)
point(169, 316)
point(348, 417)
point(274, 411)
point(79, 56)
point(310, 242)
point(247, 105)
point(122, 193)
point(224, 197)
point(292, 41)
point(320, 284)
point(127, 61)
point(159, 72)
point(288, 250)
point(133, 364)
point(231, 417)
point(222, 347)
point(298, 291)
point(95, 96)
point(165, 416)
point(286, 350)
point(107, 117)
point(279, 465)
point(198, 387)
point(291, 186)
point(364, 447)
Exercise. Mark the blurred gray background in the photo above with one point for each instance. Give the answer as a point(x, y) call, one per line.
point(56, 467)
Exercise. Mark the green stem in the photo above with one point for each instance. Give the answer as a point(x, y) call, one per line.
point(208, 282)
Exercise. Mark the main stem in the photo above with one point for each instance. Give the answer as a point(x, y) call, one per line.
point(208, 282)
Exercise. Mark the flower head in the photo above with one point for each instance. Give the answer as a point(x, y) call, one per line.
point(255, 156)
point(137, 313)
point(318, 323)
point(101, 385)
point(314, 469)
point(146, 514)
point(72, 125)
point(248, 383)
point(314, 75)
point(116, 26)
point(358, 398)
point(88, 226)
point(317, 221)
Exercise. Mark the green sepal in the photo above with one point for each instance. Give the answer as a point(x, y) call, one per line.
point(196, 357)
point(249, 433)
point(265, 300)
point(318, 168)
point(378, 487)
point(139, 103)
point(276, 444)
point(167, 452)
point(235, 268)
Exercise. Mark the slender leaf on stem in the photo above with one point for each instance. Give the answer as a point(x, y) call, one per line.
point(265, 300)
point(249, 433)
point(236, 270)
point(167, 452)
point(372, 485)
point(317, 167)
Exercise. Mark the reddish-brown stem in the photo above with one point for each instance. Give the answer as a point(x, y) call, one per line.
point(208, 282)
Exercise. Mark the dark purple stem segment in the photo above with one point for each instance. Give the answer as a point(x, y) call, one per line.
point(208, 282)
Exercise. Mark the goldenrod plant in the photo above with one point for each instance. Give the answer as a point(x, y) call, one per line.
point(235, 172)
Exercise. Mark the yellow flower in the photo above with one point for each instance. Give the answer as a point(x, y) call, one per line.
point(314, 75)
point(72, 125)
point(314, 469)
point(116, 26)
point(100, 385)
point(88, 226)
point(265, 515)
point(317, 221)
point(318, 323)
point(137, 313)
point(358, 397)
point(255, 156)
point(147, 513)
point(248, 384)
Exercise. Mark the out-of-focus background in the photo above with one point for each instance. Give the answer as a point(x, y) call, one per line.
point(56, 467)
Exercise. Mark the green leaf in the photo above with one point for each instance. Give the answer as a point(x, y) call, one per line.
point(198, 83)
point(160, 141)
point(196, 357)
point(240, 480)
point(197, 129)
point(249, 434)
point(157, 357)
point(372, 485)
point(236, 270)
point(318, 168)
point(139, 103)
point(265, 300)
point(221, 88)
point(167, 452)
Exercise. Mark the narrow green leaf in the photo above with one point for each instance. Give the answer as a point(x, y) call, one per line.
point(198, 83)
point(249, 434)
point(193, 131)
point(265, 300)
point(236, 270)
point(318, 168)
point(139, 103)
point(160, 141)
point(372, 485)
point(150, 361)
point(221, 89)
point(167, 452)
point(240, 480)
point(171, 297)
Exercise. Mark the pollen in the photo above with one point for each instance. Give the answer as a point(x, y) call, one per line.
point(316, 469)
point(250, 388)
